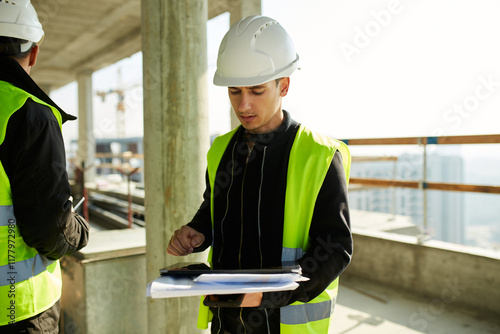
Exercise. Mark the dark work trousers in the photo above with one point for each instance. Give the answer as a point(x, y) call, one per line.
point(44, 323)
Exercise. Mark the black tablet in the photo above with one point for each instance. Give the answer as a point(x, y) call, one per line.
point(198, 268)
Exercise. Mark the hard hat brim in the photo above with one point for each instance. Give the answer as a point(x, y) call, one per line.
point(225, 81)
point(29, 33)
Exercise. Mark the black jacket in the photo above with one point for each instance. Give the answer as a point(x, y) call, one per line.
point(248, 229)
point(34, 160)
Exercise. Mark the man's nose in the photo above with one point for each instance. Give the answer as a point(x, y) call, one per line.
point(245, 102)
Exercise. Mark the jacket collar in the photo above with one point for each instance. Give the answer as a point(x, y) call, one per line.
point(12, 72)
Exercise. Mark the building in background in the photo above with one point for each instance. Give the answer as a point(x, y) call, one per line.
point(445, 210)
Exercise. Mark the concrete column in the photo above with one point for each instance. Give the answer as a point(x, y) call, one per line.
point(86, 140)
point(241, 9)
point(176, 140)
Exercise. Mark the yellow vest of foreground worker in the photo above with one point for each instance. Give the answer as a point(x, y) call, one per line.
point(29, 282)
point(310, 159)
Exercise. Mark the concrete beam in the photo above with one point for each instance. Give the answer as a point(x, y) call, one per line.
point(117, 50)
point(176, 140)
point(240, 9)
point(52, 77)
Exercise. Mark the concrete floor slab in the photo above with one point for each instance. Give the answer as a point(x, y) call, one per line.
point(364, 307)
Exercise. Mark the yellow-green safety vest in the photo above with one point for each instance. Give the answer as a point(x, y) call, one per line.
point(29, 282)
point(310, 159)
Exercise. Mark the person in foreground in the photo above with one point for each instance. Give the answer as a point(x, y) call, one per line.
point(275, 192)
point(37, 223)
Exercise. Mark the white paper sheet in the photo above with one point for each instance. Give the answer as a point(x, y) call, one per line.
point(172, 286)
point(249, 278)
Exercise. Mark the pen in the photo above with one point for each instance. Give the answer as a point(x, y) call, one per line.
point(79, 203)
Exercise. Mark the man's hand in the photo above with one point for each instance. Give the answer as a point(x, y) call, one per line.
point(252, 299)
point(184, 241)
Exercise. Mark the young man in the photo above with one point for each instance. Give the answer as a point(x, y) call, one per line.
point(37, 223)
point(276, 192)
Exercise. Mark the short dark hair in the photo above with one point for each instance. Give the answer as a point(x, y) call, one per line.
point(10, 46)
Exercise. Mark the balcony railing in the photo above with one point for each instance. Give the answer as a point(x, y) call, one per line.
point(423, 184)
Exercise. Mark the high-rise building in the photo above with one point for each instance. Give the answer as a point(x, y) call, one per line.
point(445, 210)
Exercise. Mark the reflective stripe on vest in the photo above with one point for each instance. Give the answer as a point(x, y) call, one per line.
point(23, 270)
point(6, 211)
point(310, 156)
point(29, 282)
point(304, 313)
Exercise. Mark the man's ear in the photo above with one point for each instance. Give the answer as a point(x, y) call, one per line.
point(284, 85)
point(33, 55)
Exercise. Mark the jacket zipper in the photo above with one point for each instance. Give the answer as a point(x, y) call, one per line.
point(258, 219)
point(260, 200)
point(227, 205)
point(250, 148)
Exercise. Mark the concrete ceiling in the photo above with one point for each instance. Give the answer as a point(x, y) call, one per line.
point(91, 34)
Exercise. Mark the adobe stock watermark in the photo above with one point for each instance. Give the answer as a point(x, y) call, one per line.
point(461, 111)
point(363, 36)
point(420, 319)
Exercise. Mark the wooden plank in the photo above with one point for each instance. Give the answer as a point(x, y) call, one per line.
point(464, 187)
point(479, 139)
point(384, 141)
point(119, 155)
point(429, 185)
point(446, 140)
point(108, 166)
point(385, 183)
point(358, 158)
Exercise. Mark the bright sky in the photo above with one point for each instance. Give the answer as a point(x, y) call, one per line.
point(370, 68)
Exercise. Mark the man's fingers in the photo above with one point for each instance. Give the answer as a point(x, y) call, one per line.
point(177, 247)
point(197, 240)
point(184, 238)
point(171, 248)
point(184, 241)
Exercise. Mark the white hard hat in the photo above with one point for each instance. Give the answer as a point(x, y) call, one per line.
point(18, 19)
point(255, 50)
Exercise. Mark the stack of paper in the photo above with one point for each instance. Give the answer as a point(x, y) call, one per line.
point(221, 284)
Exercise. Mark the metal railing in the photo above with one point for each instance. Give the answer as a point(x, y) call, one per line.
point(423, 184)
